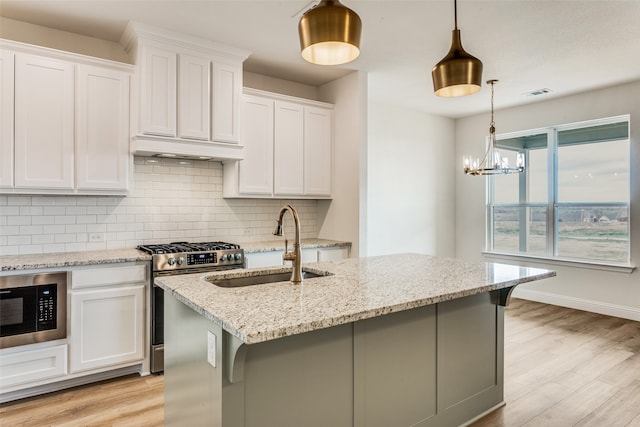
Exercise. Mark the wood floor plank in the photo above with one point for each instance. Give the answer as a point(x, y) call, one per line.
point(593, 359)
point(620, 410)
point(575, 406)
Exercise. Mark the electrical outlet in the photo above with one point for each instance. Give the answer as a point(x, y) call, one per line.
point(211, 348)
point(96, 237)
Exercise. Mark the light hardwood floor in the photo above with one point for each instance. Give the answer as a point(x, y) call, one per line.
point(562, 368)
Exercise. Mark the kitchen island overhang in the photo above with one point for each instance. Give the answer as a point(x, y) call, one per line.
point(404, 339)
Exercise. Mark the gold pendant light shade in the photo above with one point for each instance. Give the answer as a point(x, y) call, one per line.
point(458, 73)
point(330, 34)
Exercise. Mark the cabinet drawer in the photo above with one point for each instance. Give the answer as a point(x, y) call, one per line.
point(32, 365)
point(106, 276)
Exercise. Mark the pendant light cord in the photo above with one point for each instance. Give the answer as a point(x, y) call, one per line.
point(455, 14)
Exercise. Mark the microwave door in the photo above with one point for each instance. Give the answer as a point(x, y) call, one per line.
point(18, 307)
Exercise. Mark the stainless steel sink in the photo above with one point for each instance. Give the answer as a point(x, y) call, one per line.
point(267, 277)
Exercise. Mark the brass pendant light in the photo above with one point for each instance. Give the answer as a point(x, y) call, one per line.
point(458, 73)
point(330, 34)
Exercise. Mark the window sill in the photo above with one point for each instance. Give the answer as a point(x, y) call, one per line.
point(619, 268)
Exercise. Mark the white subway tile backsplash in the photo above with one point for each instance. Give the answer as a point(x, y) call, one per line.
point(171, 200)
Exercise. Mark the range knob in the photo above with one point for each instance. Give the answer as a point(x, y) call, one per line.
point(181, 260)
point(237, 257)
point(223, 257)
point(171, 261)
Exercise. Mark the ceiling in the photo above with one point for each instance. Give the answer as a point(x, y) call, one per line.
point(565, 46)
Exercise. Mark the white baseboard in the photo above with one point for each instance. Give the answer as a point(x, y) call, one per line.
point(599, 307)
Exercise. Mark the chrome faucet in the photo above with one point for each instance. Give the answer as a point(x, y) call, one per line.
point(295, 257)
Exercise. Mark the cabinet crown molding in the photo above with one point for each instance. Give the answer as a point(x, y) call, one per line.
point(76, 58)
point(288, 98)
point(136, 31)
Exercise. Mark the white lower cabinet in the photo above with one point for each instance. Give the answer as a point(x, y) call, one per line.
point(106, 327)
point(31, 366)
point(107, 317)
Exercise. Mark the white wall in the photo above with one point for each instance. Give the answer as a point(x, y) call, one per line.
point(606, 292)
point(411, 196)
point(62, 40)
point(284, 87)
point(344, 217)
point(170, 202)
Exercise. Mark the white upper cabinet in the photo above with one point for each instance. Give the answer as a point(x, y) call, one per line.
point(288, 159)
point(158, 90)
point(189, 94)
point(6, 118)
point(256, 170)
point(288, 149)
point(102, 137)
point(227, 94)
point(65, 122)
point(195, 99)
point(44, 122)
point(318, 135)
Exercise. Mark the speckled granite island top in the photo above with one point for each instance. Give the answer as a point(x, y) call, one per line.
point(356, 289)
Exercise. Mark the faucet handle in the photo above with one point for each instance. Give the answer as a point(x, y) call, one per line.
point(287, 256)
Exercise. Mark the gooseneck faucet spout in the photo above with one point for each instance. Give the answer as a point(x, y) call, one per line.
point(294, 256)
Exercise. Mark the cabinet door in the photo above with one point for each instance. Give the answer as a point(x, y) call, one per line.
point(288, 149)
point(30, 366)
point(6, 118)
point(102, 143)
point(256, 170)
point(227, 92)
point(107, 327)
point(195, 98)
point(158, 91)
point(43, 123)
point(318, 157)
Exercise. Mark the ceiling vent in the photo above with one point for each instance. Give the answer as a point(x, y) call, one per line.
point(539, 92)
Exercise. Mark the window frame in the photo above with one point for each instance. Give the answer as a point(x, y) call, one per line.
point(551, 205)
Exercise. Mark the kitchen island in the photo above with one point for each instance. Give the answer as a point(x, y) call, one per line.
point(397, 340)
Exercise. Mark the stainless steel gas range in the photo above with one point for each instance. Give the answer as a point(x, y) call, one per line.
point(182, 258)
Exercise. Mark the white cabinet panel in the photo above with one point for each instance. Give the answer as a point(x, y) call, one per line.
point(227, 92)
point(288, 148)
point(318, 159)
point(264, 259)
point(44, 121)
point(256, 171)
point(195, 99)
point(158, 91)
point(332, 254)
point(32, 365)
point(108, 276)
point(102, 144)
point(299, 164)
point(107, 327)
point(6, 118)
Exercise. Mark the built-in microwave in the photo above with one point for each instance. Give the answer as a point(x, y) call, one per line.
point(32, 308)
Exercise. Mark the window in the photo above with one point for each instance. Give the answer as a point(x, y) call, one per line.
point(572, 201)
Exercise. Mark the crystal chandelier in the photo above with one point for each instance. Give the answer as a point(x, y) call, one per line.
point(493, 162)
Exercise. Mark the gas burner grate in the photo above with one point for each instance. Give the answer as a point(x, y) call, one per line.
point(182, 247)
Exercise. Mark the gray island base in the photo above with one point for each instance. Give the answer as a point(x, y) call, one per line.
point(432, 355)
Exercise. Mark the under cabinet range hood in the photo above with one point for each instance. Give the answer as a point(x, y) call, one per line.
point(186, 94)
point(146, 145)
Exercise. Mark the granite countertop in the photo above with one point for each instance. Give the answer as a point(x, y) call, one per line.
point(70, 259)
point(357, 289)
point(107, 256)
